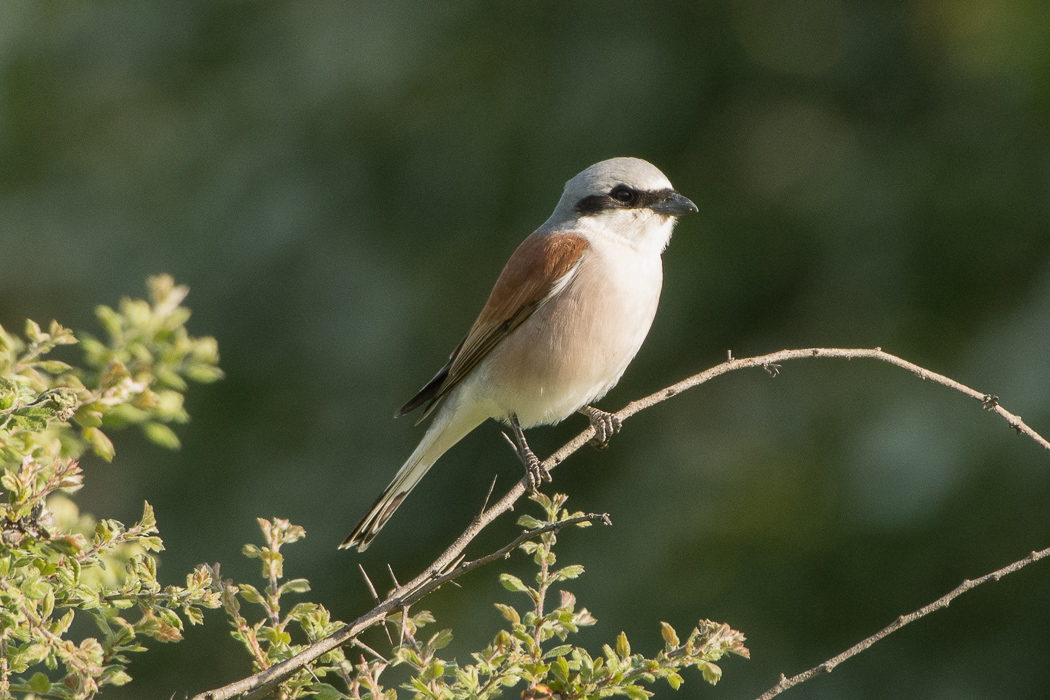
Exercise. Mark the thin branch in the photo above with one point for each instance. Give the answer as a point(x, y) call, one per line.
point(771, 361)
point(250, 687)
point(942, 602)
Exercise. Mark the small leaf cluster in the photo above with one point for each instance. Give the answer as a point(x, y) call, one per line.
point(137, 376)
point(534, 651)
point(269, 639)
point(56, 563)
point(569, 671)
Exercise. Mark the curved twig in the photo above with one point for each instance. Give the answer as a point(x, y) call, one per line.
point(942, 602)
point(256, 686)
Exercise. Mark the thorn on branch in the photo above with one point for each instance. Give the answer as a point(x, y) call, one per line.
point(485, 505)
point(392, 577)
point(371, 588)
point(989, 401)
point(729, 355)
point(771, 368)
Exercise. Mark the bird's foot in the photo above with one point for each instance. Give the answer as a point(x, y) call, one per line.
point(537, 473)
point(605, 426)
point(534, 469)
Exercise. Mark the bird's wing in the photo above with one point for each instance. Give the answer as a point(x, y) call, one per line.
point(538, 270)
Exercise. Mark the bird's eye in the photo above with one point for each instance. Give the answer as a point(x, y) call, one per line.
point(624, 195)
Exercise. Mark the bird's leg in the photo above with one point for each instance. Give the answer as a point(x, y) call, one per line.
point(537, 473)
point(605, 426)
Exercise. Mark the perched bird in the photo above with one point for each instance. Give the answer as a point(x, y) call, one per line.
point(567, 315)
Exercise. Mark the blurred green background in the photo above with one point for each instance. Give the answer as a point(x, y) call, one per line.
point(340, 183)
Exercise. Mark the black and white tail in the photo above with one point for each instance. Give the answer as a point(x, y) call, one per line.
point(448, 428)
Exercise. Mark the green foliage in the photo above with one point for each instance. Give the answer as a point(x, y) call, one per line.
point(56, 563)
point(534, 649)
point(268, 640)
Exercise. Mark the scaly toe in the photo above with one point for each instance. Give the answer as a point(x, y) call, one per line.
point(534, 469)
point(598, 444)
point(605, 426)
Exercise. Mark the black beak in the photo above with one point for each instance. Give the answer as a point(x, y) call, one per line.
point(675, 205)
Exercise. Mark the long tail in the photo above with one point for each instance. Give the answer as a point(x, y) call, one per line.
point(448, 428)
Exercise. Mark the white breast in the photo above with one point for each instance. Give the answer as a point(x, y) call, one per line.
point(575, 348)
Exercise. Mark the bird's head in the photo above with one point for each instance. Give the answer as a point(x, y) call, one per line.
point(625, 197)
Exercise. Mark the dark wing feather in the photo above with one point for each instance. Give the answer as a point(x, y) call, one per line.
point(430, 391)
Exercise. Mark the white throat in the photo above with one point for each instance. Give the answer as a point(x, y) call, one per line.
point(639, 229)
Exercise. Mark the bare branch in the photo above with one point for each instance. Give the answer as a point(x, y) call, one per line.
point(445, 565)
point(942, 602)
point(768, 362)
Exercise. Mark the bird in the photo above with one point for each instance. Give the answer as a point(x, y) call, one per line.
point(567, 314)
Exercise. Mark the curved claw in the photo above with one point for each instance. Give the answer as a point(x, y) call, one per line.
point(535, 469)
point(605, 426)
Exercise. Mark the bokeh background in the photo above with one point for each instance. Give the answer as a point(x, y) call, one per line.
point(340, 183)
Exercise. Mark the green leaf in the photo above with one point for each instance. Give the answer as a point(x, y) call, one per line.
point(295, 585)
point(569, 572)
point(63, 623)
point(669, 635)
point(87, 417)
point(39, 683)
point(623, 647)
point(300, 611)
point(508, 613)
point(712, 673)
point(275, 636)
point(561, 669)
point(52, 366)
point(204, 374)
point(194, 615)
point(102, 445)
point(513, 583)
point(115, 676)
point(440, 640)
point(325, 691)
point(636, 692)
point(529, 523)
point(168, 377)
point(33, 331)
point(34, 588)
point(250, 593)
point(152, 544)
point(148, 520)
point(60, 335)
point(31, 419)
point(35, 653)
point(109, 319)
point(10, 482)
point(162, 435)
point(558, 651)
